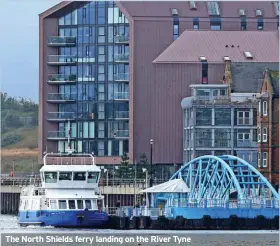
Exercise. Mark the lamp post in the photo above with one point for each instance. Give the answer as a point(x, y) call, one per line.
point(146, 171)
point(151, 162)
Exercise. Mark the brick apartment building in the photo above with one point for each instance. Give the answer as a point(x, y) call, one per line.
point(103, 66)
point(268, 127)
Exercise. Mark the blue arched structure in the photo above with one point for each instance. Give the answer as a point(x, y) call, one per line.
point(217, 177)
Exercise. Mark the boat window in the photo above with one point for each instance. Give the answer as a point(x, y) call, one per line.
point(80, 204)
point(65, 175)
point(53, 204)
point(92, 177)
point(79, 176)
point(94, 205)
point(51, 177)
point(88, 204)
point(62, 204)
point(71, 204)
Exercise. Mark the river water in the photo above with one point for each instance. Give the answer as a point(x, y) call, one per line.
point(207, 238)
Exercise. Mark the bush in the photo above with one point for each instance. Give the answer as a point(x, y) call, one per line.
point(10, 139)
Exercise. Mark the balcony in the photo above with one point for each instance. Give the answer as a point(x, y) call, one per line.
point(61, 116)
point(245, 144)
point(122, 115)
point(58, 135)
point(61, 60)
point(61, 79)
point(123, 57)
point(121, 134)
point(120, 96)
point(61, 41)
point(61, 97)
point(122, 39)
point(121, 77)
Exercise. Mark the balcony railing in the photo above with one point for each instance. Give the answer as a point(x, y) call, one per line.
point(61, 60)
point(61, 97)
point(61, 78)
point(61, 116)
point(121, 77)
point(122, 114)
point(57, 135)
point(122, 38)
point(121, 134)
point(120, 96)
point(124, 57)
point(245, 144)
point(62, 41)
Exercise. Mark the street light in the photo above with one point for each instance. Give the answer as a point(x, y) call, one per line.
point(151, 162)
point(146, 171)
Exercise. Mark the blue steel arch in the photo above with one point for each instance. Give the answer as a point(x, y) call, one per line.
point(214, 177)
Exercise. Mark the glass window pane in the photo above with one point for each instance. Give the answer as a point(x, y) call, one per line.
point(50, 177)
point(79, 176)
point(91, 129)
point(65, 175)
point(92, 177)
point(53, 204)
point(88, 204)
point(62, 204)
point(71, 204)
point(85, 129)
point(80, 204)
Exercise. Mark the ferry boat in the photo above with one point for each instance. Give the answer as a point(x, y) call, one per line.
point(68, 195)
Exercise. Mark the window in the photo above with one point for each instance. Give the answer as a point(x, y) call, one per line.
point(192, 5)
point(195, 23)
point(175, 31)
point(80, 176)
point(258, 12)
point(71, 204)
point(242, 12)
point(53, 204)
point(260, 108)
point(215, 23)
point(88, 204)
point(213, 8)
point(204, 77)
point(80, 204)
point(259, 159)
point(100, 148)
point(222, 92)
point(264, 131)
point(243, 118)
point(62, 204)
point(265, 108)
point(276, 7)
point(174, 12)
point(65, 175)
point(51, 177)
point(260, 24)
point(243, 24)
point(92, 177)
point(101, 34)
point(101, 130)
point(223, 117)
point(259, 134)
point(264, 156)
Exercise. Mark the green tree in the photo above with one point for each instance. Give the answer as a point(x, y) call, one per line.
point(143, 163)
point(125, 168)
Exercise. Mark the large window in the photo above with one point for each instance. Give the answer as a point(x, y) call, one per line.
point(222, 138)
point(204, 116)
point(92, 177)
point(71, 204)
point(243, 117)
point(50, 177)
point(88, 204)
point(223, 117)
point(264, 131)
point(80, 204)
point(265, 108)
point(53, 204)
point(79, 176)
point(264, 156)
point(259, 135)
point(259, 159)
point(213, 8)
point(62, 204)
point(203, 138)
point(65, 175)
